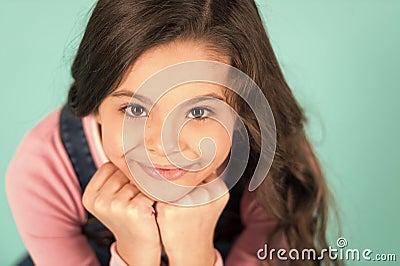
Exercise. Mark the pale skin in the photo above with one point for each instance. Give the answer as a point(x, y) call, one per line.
point(142, 225)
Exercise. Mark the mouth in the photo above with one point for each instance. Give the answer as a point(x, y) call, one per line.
point(163, 172)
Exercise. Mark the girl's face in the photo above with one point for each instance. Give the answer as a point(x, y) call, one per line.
point(199, 122)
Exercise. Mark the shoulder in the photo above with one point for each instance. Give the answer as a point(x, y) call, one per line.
point(45, 129)
point(40, 176)
point(40, 149)
point(40, 155)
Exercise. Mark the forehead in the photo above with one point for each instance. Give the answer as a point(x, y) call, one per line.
point(158, 58)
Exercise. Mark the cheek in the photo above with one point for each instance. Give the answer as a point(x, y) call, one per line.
point(223, 143)
point(111, 131)
point(208, 141)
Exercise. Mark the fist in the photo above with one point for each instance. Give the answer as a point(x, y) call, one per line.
point(127, 213)
point(187, 231)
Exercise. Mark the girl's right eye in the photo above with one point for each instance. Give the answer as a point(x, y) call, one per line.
point(136, 111)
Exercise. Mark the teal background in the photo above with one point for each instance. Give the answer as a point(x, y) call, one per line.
point(341, 59)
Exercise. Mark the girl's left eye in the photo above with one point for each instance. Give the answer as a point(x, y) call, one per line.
point(199, 113)
point(136, 111)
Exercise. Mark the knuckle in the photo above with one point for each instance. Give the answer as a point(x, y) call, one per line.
point(140, 207)
point(164, 211)
point(100, 205)
point(187, 200)
point(116, 204)
point(203, 195)
point(133, 212)
point(86, 200)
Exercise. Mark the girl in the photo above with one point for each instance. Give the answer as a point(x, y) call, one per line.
point(74, 159)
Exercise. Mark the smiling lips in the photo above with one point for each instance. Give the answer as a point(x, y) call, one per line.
point(163, 173)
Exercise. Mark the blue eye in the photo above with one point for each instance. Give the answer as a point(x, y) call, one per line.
point(199, 113)
point(136, 111)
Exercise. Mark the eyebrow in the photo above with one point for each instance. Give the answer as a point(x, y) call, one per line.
point(144, 99)
point(126, 93)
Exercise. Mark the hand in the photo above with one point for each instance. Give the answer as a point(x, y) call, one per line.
point(187, 232)
point(127, 213)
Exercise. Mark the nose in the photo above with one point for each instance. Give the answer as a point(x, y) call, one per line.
point(161, 136)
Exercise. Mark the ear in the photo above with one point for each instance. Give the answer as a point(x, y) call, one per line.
point(97, 116)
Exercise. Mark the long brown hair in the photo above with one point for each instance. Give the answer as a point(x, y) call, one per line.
point(119, 31)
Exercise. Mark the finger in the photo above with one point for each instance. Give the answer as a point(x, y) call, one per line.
point(205, 193)
point(101, 176)
point(141, 203)
point(127, 192)
point(216, 188)
point(114, 183)
point(198, 196)
point(120, 201)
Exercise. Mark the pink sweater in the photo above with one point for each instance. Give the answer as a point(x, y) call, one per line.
point(45, 199)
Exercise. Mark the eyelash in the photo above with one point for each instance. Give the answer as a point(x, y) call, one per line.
point(207, 110)
point(125, 107)
point(200, 119)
